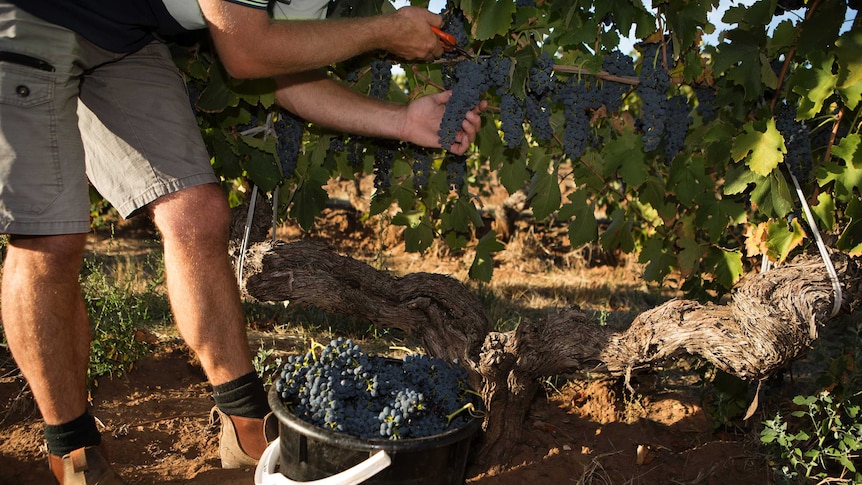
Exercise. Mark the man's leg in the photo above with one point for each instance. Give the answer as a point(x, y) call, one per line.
point(48, 331)
point(206, 304)
point(201, 285)
point(45, 321)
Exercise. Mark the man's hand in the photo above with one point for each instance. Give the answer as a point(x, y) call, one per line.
point(421, 123)
point(410, 35)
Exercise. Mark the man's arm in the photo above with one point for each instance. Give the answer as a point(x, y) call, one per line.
point(325, 102)
point(252, 45)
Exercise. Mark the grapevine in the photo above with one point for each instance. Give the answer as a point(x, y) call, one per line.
point(345, 390)
point(682, 142)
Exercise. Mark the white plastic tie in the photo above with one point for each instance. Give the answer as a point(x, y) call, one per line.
point(267, 129)
point(824, 253)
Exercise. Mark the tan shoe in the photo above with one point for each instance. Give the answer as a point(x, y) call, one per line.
point(84, 466)
point(243, 440)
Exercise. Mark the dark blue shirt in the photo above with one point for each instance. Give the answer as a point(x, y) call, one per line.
point(116, 25)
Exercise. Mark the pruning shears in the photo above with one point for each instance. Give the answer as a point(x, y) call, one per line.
point(450, 44)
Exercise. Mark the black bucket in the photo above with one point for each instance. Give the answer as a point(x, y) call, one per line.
point(308, 452)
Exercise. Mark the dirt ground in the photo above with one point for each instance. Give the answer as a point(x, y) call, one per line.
point(584, 430)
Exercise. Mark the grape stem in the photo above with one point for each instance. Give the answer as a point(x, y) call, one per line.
point(469, 407)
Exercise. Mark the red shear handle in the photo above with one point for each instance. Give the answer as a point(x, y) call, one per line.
point(449, 41)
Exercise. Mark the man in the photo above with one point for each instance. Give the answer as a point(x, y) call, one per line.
point(88, 94)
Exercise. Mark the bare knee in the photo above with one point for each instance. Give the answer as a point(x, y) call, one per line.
point(56, 254)
point(197, 215)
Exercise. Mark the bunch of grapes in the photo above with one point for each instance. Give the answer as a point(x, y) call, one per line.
point(454, 23)
point(678, 122)
point(797, 140)
point(537, 104)
point(654, 82)
point(471, 82)
point(371, 397)
point(577, 98)
point(336, 144)
point(540, 80)
point(537, 111)
point(289, 130)
point(456, 170)
point(705, 102)
point(355, 151)
point(384, 155)
point(497, 69)
point(616, 64)
point(421, 168)
point(511, 118)
point(381, 77)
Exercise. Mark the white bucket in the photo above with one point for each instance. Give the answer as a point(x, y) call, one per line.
point(265, 473)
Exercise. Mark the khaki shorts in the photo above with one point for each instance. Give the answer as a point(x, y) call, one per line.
point(73, 114)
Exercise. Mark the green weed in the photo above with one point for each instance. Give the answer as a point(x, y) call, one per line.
point(822, 443)
point(120, 307)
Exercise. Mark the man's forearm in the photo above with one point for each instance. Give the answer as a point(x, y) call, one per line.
point(251, 45)
point(325, 102)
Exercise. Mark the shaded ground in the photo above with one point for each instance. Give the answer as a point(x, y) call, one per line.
point(582, 430)
point(157, 428)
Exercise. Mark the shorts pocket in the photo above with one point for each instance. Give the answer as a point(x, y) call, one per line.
point(32, 143)
point(24, 87)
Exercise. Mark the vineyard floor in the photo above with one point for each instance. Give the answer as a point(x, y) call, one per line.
point(581, 429)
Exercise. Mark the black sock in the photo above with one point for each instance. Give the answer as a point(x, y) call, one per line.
point(77, 433)
point(243, 396)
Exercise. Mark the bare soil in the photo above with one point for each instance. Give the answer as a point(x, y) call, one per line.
point(583, 429)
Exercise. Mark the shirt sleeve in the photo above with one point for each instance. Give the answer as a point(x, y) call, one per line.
point(262, 4)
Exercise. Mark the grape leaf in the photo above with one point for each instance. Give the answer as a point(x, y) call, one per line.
point(224, 155)
point(850, 67)
point(410, 219)
point(657, 258)
point(814, 83)
point(260, 165)
point(825, 210)
point(217, 95)
point(618, 234)
point(739, 61)
point(513, 175)
point(758, 13)
point(544, 194)
point(310, 198)
point(726, 265)
point(460, 216)
point(686, 19)
point(625, 152)
point(493, 18)
point(583, 228)
point(418, 238)
point(780, 239)
point(761, 146)
point(849, 176)
point(689, 181)
point(483, 264)
point(851, 237)
point(689, 255)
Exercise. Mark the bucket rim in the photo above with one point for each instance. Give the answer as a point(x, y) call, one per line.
point(287, 418)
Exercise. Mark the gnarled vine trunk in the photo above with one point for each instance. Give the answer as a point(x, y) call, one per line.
point(770, 321)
